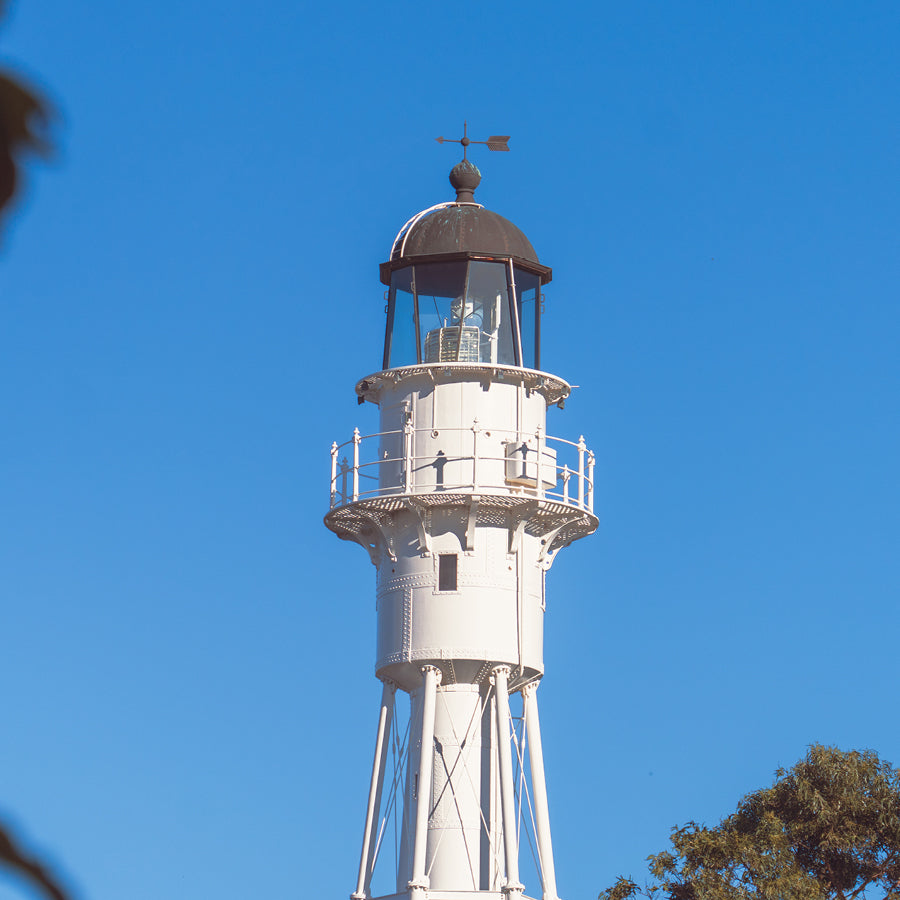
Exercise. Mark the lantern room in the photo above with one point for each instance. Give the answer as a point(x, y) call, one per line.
point(464, 286)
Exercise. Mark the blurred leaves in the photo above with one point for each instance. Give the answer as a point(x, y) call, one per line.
point(24, 120)
point(24, 123)
point(827, 828)
point(12, 857)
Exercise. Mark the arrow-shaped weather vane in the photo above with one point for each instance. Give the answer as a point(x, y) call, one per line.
point(494, 142)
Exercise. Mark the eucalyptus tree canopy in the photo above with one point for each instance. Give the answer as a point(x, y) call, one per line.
point(827, 828)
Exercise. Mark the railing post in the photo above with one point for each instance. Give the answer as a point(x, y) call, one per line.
point(581, 448)
point(566, 475)
point(356, 440)
point(345, 468)
point(590, 482)
point(334, 453)
point(540, 460)
point(408, 457)
point(475, 430)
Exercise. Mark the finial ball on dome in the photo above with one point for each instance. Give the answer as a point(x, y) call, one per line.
point(465, 177)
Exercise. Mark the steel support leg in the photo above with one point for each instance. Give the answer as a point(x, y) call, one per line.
point(375, 788)
point(539, 789)
point(418, 884)
point(513, 888)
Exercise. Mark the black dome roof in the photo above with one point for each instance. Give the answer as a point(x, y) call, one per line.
point(460, 229)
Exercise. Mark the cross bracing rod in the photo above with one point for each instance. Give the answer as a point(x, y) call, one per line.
point(375, 788)
point(539, 791)
point(399, 751)
point(461, 771)
point(523, 796)
point(452, 784)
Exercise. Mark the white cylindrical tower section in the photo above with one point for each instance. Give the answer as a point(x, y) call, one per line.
point(460, 580)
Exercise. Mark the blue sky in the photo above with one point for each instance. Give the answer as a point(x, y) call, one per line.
point(189, 293)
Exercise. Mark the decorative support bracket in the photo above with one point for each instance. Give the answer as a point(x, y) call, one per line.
point(471, 523)
point(520, 515)
point(546, 557)
point(421, 525)
point(372, 550)
point(383, 534)
point(371, 547)
point(515, 535)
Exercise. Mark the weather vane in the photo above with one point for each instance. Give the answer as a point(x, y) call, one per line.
point(494, 142)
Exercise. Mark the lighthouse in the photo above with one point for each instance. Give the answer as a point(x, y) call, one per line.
point(462, 500)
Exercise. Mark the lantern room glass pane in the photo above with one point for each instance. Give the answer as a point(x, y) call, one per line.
point(440, 288)
point(464, 312)
point(400, 342)
point(488, 303)
point(459, 311)
point(528, 293)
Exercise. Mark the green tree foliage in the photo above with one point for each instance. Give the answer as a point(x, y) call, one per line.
point(827, 829)
point(24, 120)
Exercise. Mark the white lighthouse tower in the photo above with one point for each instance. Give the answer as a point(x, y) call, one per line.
point(462, 501)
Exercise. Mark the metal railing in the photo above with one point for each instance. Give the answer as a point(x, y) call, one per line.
point(395, 469)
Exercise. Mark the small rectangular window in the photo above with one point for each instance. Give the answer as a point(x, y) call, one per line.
point(447, 563)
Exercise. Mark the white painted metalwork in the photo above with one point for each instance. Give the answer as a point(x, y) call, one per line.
point(356, 440)
point(462, 500)
point(539, 784)
point(512, 887)
point(375, 790)
point(419, 882)
point(380, 471)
